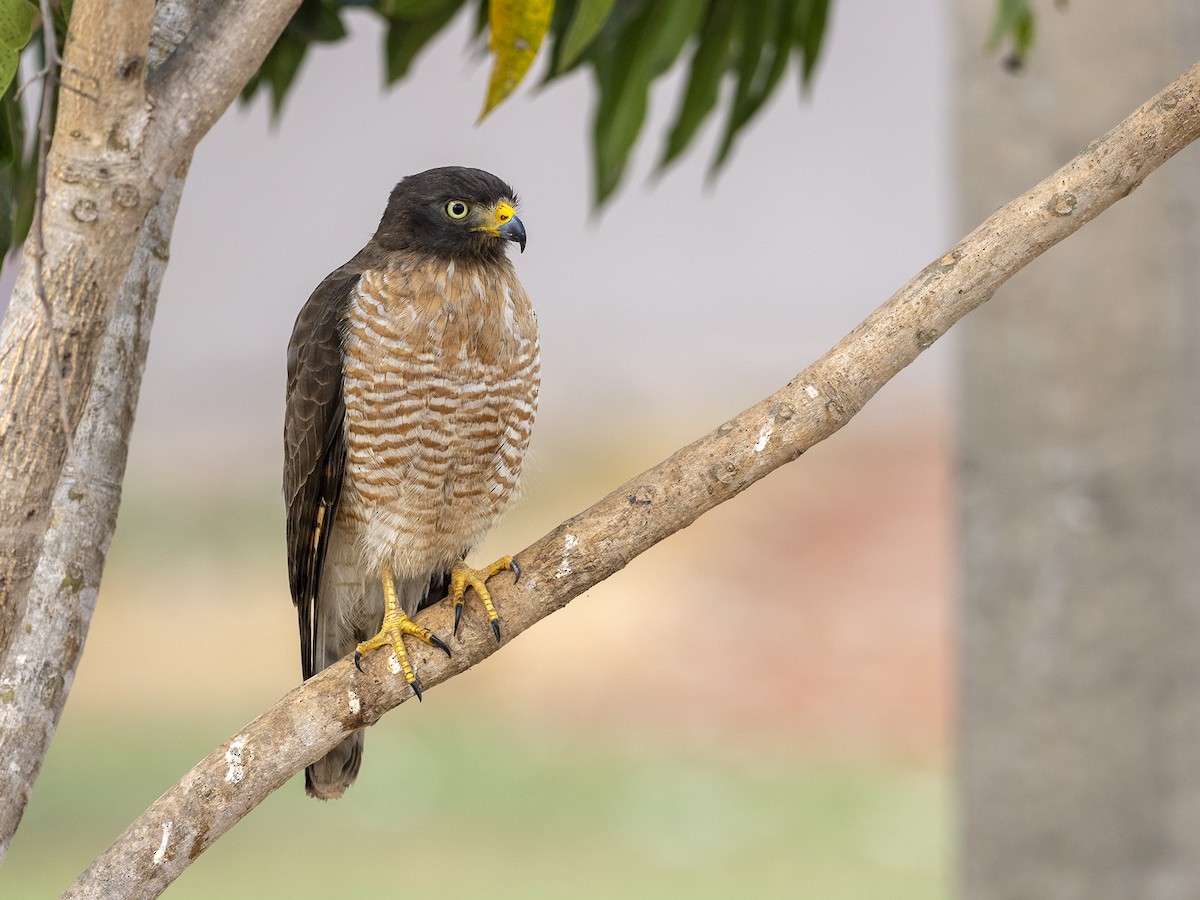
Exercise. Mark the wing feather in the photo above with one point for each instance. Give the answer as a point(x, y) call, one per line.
point(314, 444)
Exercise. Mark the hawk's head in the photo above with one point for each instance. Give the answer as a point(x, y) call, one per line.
point(451, 213)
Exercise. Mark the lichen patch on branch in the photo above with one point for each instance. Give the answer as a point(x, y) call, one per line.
point(237, 770)
point(570, 542)
point(764, 435)
point(161, 853)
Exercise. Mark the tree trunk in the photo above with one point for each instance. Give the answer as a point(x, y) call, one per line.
point(125, 133)
point(1080, 488)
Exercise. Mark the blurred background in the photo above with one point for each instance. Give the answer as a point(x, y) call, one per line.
point(757, 707)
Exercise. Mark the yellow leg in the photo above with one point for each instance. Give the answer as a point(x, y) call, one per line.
point(463, 576)
point(395, 625)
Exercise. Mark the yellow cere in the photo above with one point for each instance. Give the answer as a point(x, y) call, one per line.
point(504, 212)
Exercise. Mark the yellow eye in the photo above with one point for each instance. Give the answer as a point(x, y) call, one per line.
point(457, 209)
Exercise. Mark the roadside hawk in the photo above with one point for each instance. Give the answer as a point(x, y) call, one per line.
point(413, 375)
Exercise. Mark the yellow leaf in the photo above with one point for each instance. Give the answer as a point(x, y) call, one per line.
point(517, 30)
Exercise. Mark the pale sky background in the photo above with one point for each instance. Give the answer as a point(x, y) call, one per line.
point(683, 301)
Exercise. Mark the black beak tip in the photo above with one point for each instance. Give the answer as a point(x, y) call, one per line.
point(514, 230)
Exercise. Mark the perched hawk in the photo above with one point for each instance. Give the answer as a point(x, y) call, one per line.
point(412, 382)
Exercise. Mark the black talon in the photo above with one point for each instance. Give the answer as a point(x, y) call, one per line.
point(416, 686)
point(457, 616)
point(516, 571)
point(437, 642)
point(496, 629)
point(358, 661)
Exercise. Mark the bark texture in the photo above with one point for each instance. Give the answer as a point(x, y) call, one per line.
point(311, 720)
point(115, 169)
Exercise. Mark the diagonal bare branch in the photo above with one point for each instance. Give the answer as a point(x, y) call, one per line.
point(589, 547)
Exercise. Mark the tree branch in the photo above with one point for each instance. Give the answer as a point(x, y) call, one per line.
point(193, 87)
point(586, 549)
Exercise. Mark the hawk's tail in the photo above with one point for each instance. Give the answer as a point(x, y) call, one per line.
point(328, 777)
point(347, 617)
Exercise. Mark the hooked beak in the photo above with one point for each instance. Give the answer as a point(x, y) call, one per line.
point(504, 224)
point(513, 230)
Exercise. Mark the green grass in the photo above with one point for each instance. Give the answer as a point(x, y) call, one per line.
point(491, 811)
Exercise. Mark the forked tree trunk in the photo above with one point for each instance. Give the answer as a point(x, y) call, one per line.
point(124, 136)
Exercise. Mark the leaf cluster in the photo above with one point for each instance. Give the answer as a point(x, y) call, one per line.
point(736, 49)
point(736, 54)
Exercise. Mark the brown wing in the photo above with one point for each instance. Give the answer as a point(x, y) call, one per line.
point(314, 444)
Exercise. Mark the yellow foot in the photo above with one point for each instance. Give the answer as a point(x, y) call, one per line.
point(463, 576)
point(391, 634)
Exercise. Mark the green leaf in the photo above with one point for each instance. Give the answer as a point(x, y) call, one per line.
point(810, 33)
point(11, 143)
point(407, 37)
point(756, 31)
point(620, 18)
point(315, 22)
point(6, 223)
point(589, 18)
point(481, 20)
point(20, 192)
point(25, 194)
point(16, 27)
point(1013, 21)
point(643, 52)
point(777, 53)
point(318, 21)
point(278, 70)
point(770, 36)
point(18, 174)
point(709, 64)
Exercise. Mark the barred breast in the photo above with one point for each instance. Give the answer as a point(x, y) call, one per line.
point(440, 387)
